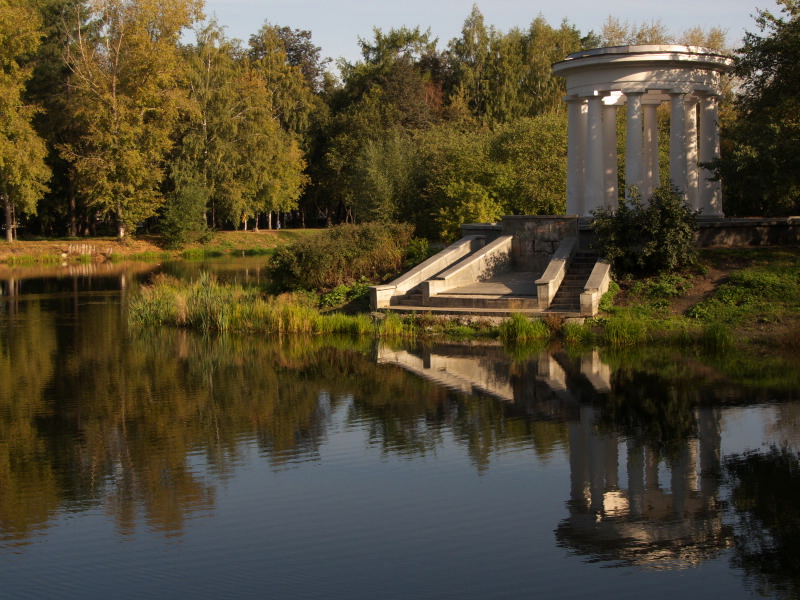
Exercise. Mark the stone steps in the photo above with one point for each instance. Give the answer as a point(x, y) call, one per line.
point(567, 298)
point(484, 299)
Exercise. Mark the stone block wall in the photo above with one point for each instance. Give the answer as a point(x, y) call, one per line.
point(536, 238)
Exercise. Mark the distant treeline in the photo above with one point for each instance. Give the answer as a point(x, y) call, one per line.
point(111, 121)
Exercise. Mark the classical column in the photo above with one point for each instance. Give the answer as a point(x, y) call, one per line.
point(710, 191)
point(633, 142)
point(595, 170)
point(692, 176)
point(652, 176)
point(576, 154)
point(677, 141)
point(610, 154)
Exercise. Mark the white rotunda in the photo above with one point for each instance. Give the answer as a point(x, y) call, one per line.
point(641, 78)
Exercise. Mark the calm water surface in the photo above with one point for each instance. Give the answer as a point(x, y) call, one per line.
point(168, 464)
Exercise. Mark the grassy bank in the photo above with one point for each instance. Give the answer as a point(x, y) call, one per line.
point(145, 247)
point(733, 298)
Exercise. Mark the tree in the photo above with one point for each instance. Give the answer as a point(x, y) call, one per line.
point(126, 67)
point(395, 91)
point(59, 211)
point(234, 159)
point(761, 158)
point(23, 174)
point(501, 77)
point(531, 154)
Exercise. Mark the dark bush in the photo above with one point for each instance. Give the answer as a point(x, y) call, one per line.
point(648, 238)
point(343, 254)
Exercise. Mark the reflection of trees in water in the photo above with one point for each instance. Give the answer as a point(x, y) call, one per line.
point(28, 486)
point(656, 412)
point(766, 499)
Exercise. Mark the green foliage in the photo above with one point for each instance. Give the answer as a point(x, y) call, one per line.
point(125, 102)
point(716, 337)
point(760, 165)
point(341, 255)
point(239, 153)
point(761, 293)
point(418, 250)
point(665, 286)
point(343, 294)
point(647, 238)
point(625, 330)
point(23, 173)
point(577, 333)
point(502, 77)
point(184, 218)
point(520, 329)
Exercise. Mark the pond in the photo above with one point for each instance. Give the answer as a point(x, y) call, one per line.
point(173, 464)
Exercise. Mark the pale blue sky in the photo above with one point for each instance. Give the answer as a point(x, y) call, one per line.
point(336, 25)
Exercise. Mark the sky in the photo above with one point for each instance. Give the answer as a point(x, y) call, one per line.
point(336, 25)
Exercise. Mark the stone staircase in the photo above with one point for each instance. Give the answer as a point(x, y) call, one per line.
point(528, 265)
point(513, 291)
point(567, 299)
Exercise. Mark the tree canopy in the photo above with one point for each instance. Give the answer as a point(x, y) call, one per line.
point(145, 127)
point(761, 163)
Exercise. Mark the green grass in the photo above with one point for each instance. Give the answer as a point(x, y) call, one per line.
point(765, 291)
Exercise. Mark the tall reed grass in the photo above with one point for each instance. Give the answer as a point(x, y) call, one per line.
point(519, 328)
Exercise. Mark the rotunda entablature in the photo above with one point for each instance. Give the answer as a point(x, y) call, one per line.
point(633, 69)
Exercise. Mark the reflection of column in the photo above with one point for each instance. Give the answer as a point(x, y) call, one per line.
point(635, 479)
point(710, 191)
point(709, 432)
point(633, 142)
point(578, 463)
point(677, 141)
point(610, 160)
point(593, 194)
point(651, 469)
point(576, 155)
point(691, 153)
point(597, 464)
point(681, 469)
point(611, 467)
point(650, 152)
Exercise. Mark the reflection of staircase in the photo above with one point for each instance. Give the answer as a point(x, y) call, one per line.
point(567, 299)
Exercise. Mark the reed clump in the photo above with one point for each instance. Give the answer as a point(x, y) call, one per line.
point(518, 328)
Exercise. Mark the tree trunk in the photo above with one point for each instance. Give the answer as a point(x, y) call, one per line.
point(9, 219)
point(73, 218)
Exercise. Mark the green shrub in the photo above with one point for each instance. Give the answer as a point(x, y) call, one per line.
point(647, 238)
point(341, 255)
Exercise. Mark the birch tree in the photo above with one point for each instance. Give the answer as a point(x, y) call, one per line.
point(23, 173)
point(126, 66)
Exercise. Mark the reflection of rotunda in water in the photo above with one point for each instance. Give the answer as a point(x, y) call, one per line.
point(661, 513)
point(627, 502)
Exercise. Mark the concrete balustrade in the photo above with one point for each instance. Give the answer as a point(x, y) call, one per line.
point(595, 287)
point(381, 295)
point(492, 259)
point(547, 285)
